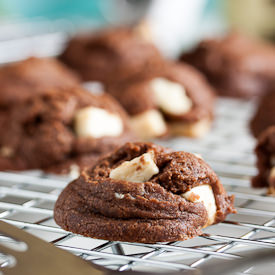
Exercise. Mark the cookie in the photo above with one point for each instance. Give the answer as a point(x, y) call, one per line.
point(143, 193)
point(265, 152)
point(172, 98)
point(57, 129)
point(264, 115)
point(21, 81)
point(110, 54)
point(236, 65)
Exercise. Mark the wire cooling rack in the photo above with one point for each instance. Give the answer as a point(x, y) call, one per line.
point(27, 199)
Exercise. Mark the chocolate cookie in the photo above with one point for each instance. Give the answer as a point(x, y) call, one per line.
point(265, 151)
point(22, 80)
point(173, 94)
point(143, 193)
point(110, 54)
point(57, 129)
point(236, 65)
point(265, 114)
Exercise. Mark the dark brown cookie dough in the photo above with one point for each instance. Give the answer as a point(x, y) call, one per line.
point(100, 205)
point(22, 80)
point(265, 152)
point(265, 114)
point(46, 131)
point(110, 54)
point(140, 95)
point(236, 65)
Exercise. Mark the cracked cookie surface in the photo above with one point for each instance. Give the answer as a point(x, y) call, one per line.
point(154, 210)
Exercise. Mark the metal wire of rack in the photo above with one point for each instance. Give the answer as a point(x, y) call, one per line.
point(27, 200)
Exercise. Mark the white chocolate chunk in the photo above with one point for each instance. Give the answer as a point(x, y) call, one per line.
point(198, 155)
point(271, 189)
point(96, 122)
point(74, 171)
point(6, 151)
point(139, 169)
point(194, 129)
point(171, 96)
point(119, 196)
point(204, 194)
point(143, 31)
point(149, 124)
point(272, 172)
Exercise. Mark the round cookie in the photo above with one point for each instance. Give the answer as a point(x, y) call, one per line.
point(238, 66)
point(57, 129)
point(143, 193)
point(21, 81)
point(173, 94)
point(265, 152)
point(110, 54)
point(264, 115)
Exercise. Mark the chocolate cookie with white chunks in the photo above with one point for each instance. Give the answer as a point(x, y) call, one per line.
point(143, 193)
point(58, 130)
point(264, 116)
point(23, 80)
point(172, 99)
point(236, 65)
point(265, 152)
point(110, 54)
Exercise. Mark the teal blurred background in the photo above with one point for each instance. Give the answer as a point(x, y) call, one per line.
point(51, 9)
point(175, 25)
point(69, 9)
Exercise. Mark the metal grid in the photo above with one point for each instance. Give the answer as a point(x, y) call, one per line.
point(27, 200)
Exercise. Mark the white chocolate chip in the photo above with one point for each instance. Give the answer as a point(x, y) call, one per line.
point(6, 152)
point(131, 197)
point(143, 31)
point(119, 196)
point(198, 155)
point(194, 129)
point(96, 122)
point(272, 172)
point(149, 124)
point(204, 194)
point(74, 171)
point(170, 96)
point(139, 169)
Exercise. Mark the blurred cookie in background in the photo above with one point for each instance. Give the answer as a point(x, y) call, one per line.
point(238, 66)
point(265, 152)
point(23, 80)
point(264, 115)
point(111, 54)
point(58, 130)
point(172, 99)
